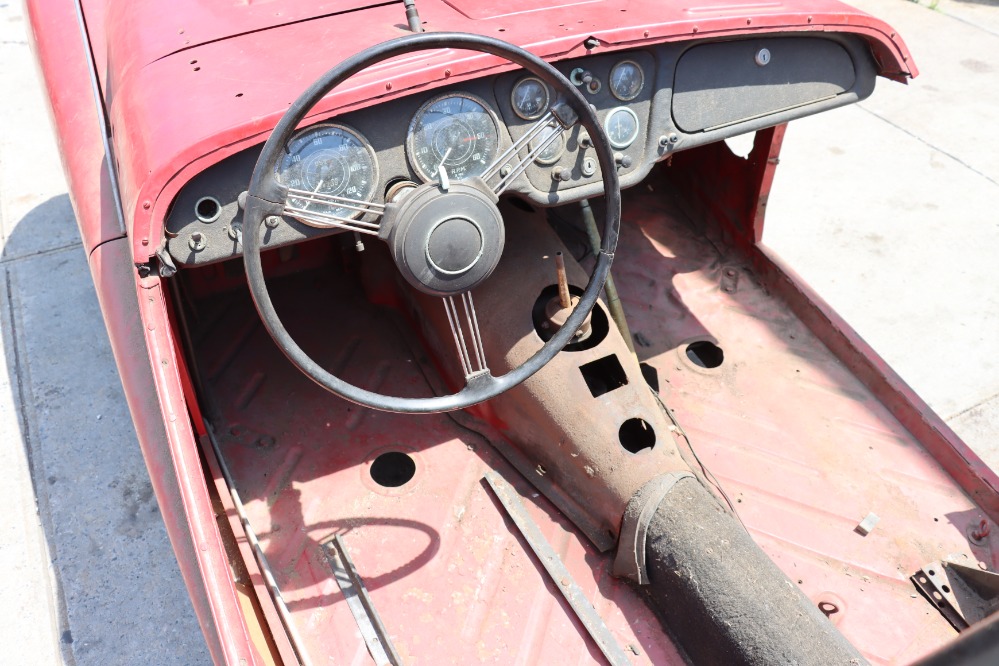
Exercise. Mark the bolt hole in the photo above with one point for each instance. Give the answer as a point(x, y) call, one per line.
point(197, 69)
point(207, 209)
point(239, 94)
point(502, 29)
point(932, 572)
point(636, 435)
point(945, 588)
point(828, 608)
point(393, 469)
point(705, 354)
point(194, 62)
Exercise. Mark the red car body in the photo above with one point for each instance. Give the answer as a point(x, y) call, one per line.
point(186, 84)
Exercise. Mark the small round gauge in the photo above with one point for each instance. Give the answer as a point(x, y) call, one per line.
point(551, 153)
point(621, 126)
point(328, 159)
point(626, 80)
point(456, 131)
point(529, 98)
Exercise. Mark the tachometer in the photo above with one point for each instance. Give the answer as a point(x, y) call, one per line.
point(329, 159)
point(456, 131)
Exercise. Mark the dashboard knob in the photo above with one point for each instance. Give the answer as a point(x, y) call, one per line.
point(561, 173)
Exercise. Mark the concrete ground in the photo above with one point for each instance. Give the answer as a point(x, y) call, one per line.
point(889, 208)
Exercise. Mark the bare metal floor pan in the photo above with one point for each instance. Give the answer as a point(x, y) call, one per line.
point(801, 446)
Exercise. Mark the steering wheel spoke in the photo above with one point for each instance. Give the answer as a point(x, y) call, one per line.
point(309, 208)
point(473, 363)
point(547, 129)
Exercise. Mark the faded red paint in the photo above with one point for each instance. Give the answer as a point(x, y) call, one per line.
point(174, 70)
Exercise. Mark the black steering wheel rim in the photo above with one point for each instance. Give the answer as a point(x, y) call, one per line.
point(265, 195)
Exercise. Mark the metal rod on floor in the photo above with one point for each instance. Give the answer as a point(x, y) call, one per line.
point(258, 552)
point(560, 576)
point(613, 300)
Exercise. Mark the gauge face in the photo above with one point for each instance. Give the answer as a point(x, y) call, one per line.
point(551, 153)
point(456, 131)
point(621, 126)
point(626, 80)
point(529, 98)
point(328, 159)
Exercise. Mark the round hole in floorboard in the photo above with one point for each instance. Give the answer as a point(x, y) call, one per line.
point(705, 354)
point(393, 469)
point(636, 435)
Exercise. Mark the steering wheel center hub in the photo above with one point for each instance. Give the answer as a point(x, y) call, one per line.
point(455, 246)
point(445, 242)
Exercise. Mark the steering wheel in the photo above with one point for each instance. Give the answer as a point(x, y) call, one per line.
point(446, 237)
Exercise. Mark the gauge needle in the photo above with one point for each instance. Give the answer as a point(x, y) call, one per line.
point(442, 171)
point(315, 191)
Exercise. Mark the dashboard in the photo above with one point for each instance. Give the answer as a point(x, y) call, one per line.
point(651, 103)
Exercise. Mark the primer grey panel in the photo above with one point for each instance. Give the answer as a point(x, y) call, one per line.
point(721, 84)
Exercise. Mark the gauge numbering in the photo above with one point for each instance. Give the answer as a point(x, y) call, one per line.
point(456, 131)
point(328, 159)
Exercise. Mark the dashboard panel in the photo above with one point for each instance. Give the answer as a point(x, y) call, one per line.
point(651, 102)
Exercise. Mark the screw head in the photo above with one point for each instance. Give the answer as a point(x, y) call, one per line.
point(272, 221)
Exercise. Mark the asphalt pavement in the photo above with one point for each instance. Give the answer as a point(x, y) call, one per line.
point(889, 208)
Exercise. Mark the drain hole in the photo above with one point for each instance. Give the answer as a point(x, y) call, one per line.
point(208, 209)
point(828, 608)
point(705, 354)
point(392, 469)
point(604, 375)
point(636, 435)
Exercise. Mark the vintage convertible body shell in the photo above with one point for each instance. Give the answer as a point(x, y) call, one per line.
point(188, 83)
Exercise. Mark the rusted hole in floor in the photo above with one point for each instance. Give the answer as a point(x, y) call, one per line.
point(393, 469)
point(705, 354)
point(636, 435)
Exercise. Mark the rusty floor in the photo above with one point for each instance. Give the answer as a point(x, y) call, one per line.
point(800, 446)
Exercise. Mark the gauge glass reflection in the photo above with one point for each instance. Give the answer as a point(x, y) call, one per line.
point(328, 159)
point(529, 98)
point(551, 152)
point(621, 126)
point(455, 131)
point(626, 80)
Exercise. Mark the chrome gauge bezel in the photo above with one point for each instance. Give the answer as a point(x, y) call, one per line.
point(613, 88)
point(634, 135)
point(513, 98)
point(414, 164)
point(361, 140)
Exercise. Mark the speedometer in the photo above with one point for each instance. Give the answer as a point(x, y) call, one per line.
point(456, 131)
point(328, 159)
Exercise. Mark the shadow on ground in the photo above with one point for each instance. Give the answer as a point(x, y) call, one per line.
point(122, 599)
